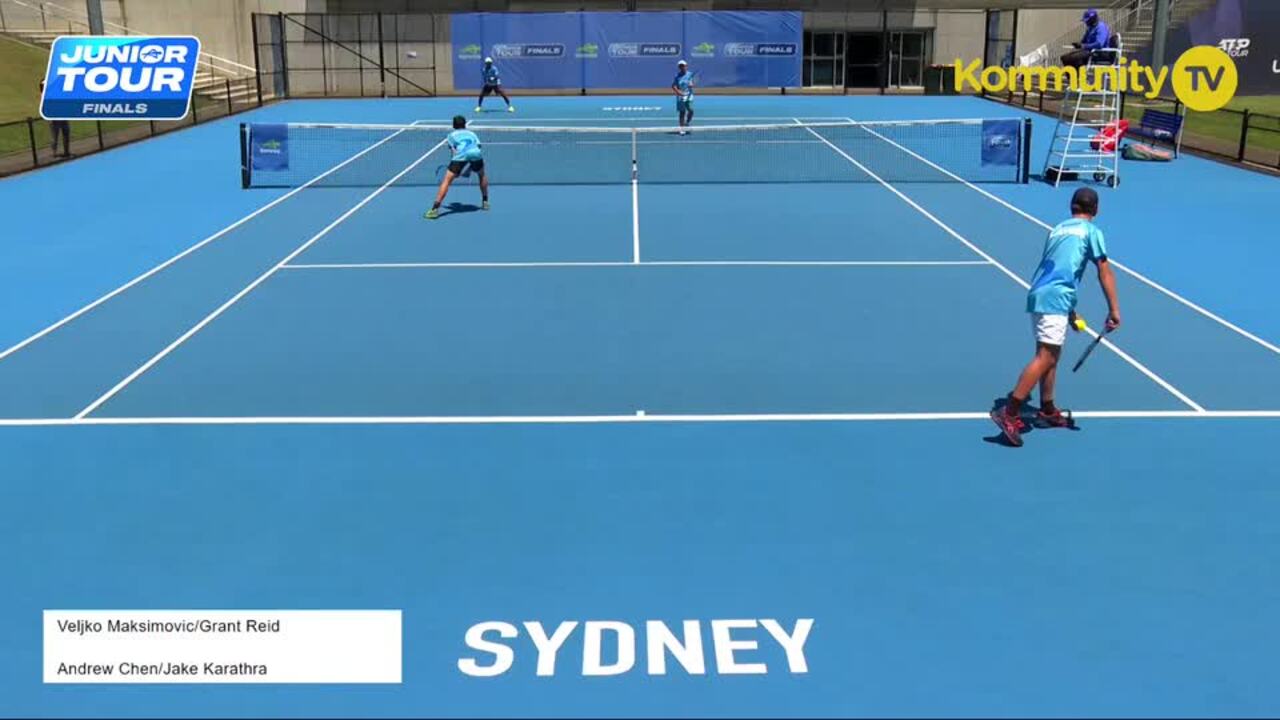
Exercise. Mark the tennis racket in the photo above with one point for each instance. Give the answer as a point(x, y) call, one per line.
point(1089, 350)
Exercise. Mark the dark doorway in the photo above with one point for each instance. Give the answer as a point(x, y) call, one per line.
point(864, 60)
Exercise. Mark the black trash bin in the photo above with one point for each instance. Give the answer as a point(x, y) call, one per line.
point(949, 80)
point(933, 80)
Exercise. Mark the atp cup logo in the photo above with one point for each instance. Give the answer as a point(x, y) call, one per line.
point(119, 78)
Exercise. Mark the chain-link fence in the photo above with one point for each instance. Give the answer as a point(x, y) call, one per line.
point(29, 143)
point(1236, 135)
point(346, 54)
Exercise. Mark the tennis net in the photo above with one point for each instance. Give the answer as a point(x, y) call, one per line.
point(337, 155)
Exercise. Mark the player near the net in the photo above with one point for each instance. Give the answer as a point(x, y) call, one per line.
point(682, 88)
point(1051, 301)
point(467, 157)
point(491, 81)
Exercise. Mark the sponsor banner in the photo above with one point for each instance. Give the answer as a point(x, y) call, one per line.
point(1000, 144)
point(269, 146)
point(1246, 30)
point(530, 50)
point(629, 50)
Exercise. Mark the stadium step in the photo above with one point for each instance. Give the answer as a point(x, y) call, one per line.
point(42, 38)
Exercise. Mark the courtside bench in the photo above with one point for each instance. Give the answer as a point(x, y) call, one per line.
point(1159, 126)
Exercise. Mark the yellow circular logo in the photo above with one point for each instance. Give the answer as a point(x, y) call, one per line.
point(1204, 78)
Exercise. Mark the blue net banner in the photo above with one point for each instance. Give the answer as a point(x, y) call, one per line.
point(628, 50)
point(269, 147)
point(1000, 144)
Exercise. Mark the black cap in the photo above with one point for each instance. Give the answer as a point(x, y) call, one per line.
point(1084, 200)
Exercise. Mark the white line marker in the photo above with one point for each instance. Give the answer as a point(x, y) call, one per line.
point(1133, 273)
point(646, 418)
point(646, 263)
point(635, 205)
point(1023, 283)
point(188, 251)
point(249, 288)
point(507, 122)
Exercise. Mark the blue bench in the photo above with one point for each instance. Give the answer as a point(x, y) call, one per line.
point(1159, 126)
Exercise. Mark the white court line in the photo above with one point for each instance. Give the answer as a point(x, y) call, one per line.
point(621, 419)
point(646, 263)
point(248, 288)
point(188, 251)
point(1133, 273)
point(622, 118)
point(635, 203)
point(1023, 283)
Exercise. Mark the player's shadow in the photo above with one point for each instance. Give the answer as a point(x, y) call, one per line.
point(1029, 422)
point(455, 208)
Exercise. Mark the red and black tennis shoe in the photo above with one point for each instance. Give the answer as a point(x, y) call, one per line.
point(1009, 424)
point(1055, 419)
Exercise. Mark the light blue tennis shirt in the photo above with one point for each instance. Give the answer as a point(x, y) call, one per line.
point(465, 145)
point(1071, 246)
point(684, 83)
point(490, 75)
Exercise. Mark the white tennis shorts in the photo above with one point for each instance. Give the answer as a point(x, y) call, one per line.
point(1049, 329)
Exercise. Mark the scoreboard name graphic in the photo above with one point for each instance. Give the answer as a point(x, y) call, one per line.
point(120, 78)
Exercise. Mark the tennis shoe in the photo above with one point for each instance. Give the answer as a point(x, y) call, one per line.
point(1055, 419)
point(479, 109)
point(484, 205)
point(432, 214)
point(511, 108)
point(1010, 425)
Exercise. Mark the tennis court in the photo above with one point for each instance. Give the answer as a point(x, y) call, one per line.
point(754, 386)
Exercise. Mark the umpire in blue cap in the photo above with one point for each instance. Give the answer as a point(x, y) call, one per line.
point(1096, 37)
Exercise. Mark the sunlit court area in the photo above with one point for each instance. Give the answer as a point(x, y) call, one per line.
point(454, 358)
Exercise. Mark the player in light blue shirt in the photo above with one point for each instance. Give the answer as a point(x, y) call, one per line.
point(1051, 301)
point(682, 86)
point(467, 156)
point(491, 82)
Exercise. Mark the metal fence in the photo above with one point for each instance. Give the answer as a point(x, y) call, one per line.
point(346, 54)
point(1235, 135)
point(27, 144)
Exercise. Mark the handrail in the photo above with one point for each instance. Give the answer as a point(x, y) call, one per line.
point(209, 59)
point(1121, 16)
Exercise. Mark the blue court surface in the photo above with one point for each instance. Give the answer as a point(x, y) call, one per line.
point(666, 402)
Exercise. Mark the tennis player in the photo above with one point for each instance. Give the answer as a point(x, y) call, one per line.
point(682, 87)
point(1069, 249)
point(492, 84)
point(468, 157)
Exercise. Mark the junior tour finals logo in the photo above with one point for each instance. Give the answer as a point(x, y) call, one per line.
point(119, 78)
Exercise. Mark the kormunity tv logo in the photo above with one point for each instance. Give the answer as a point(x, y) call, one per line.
point(704, 50)
point(119, 78)
point(470, 52)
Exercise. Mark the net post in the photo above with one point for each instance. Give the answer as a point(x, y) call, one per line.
point(244, 156)
point(1026, 150)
